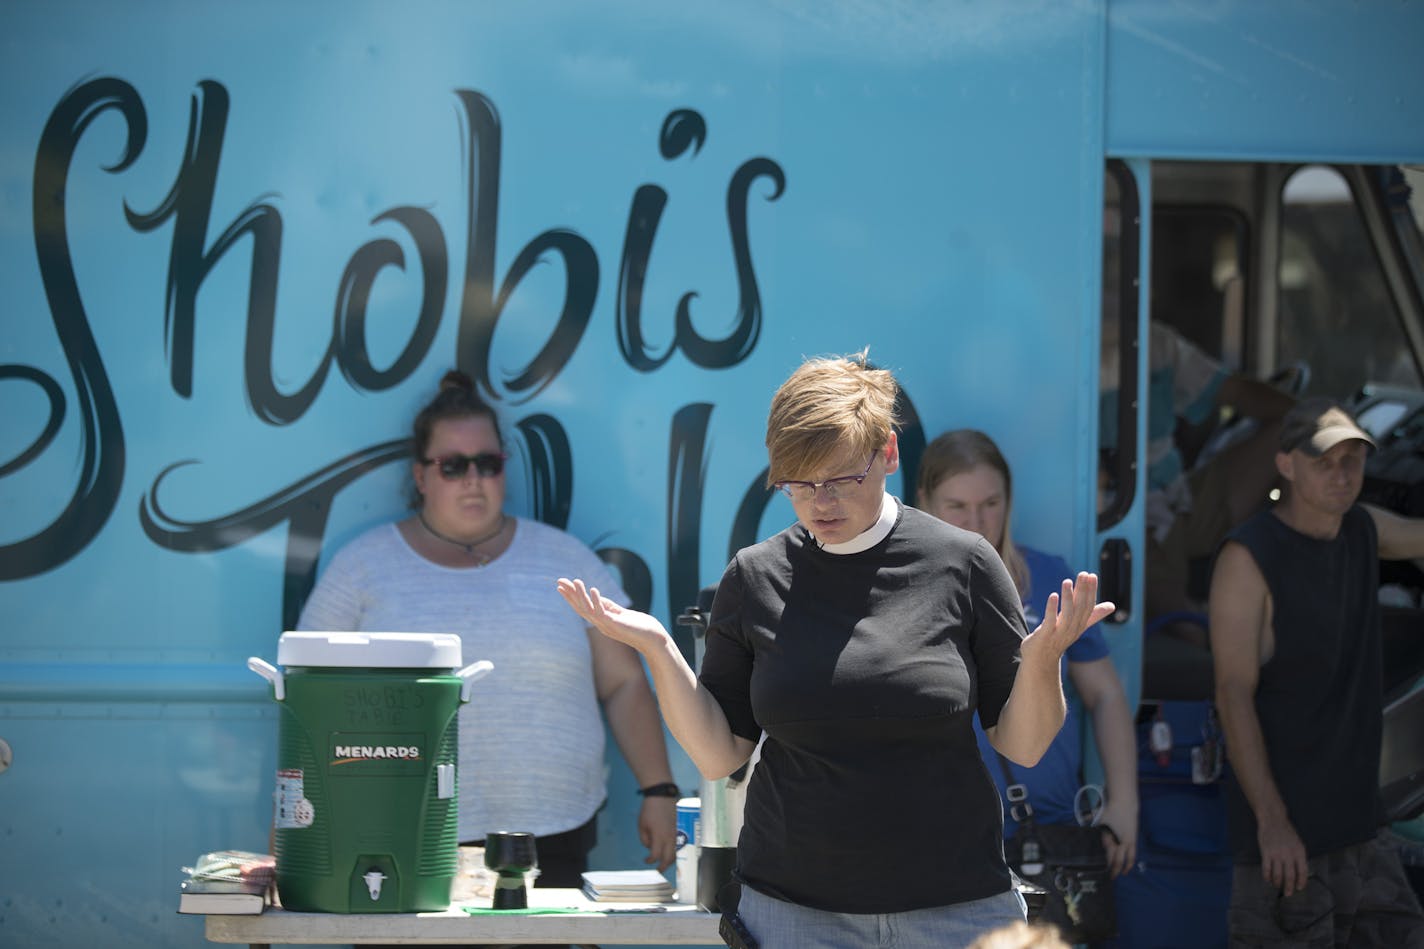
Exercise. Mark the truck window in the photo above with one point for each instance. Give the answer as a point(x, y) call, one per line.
point(1199, 290)
point(1336, 313)
point(1198, 262)
point(1117, 368)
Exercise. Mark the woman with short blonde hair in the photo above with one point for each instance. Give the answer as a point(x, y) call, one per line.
point(857, 646)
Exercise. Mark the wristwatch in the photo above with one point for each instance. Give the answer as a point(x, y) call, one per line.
point(666, 789)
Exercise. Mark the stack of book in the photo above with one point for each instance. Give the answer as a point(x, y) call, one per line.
point(626, 886)
point(227, 882)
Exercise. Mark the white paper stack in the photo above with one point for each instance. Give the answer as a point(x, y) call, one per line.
point(626, 886)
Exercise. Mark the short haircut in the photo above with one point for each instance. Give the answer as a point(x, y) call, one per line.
point(828, 406)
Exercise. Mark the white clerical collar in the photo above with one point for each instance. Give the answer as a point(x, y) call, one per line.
point(889, 510)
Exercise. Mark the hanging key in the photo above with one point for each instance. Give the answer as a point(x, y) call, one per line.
point(1072, 898)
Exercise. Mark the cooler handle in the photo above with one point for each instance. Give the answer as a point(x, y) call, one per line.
point(271, 673)
point(471, 674)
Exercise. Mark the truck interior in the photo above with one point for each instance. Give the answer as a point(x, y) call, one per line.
point(1310, 277)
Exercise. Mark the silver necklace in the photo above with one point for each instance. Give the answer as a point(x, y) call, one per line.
point(469, 548)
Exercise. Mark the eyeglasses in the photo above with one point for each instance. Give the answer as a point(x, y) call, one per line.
point(842, 487)
point(488, 464)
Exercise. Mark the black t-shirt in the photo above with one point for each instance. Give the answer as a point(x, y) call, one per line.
point(1319, 697)
point(865, 671)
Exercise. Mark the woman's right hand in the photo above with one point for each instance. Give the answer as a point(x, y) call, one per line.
point(693, 716)
point(639, 630)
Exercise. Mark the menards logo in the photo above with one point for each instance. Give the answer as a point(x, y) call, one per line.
point(346, 754)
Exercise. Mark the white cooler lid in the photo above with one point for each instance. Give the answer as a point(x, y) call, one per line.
point(370, 650)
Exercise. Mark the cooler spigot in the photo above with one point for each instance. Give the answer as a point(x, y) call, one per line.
point(374, 879)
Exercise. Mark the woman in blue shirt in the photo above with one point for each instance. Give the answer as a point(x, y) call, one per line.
point(964, 480)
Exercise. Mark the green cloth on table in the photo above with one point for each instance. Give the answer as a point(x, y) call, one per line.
point(530, 911)
point(553, 910)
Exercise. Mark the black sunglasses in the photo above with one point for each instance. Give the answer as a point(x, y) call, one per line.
point(488, 464)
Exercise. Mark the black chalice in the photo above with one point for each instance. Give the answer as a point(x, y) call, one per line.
point(510, 854)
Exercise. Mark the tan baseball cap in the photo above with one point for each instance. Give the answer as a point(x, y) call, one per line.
point(1318, 424)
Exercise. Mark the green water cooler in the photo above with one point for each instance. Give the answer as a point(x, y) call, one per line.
point(365, 806)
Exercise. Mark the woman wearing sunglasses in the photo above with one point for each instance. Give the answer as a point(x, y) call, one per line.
point(861, 641)
point(531, 738)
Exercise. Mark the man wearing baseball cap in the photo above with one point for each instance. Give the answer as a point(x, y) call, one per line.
point(1295, 635)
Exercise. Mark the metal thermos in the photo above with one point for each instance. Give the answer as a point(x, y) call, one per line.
point(722, 804)
point(723, 800)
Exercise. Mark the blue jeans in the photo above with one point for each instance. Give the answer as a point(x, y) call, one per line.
point(777, 924)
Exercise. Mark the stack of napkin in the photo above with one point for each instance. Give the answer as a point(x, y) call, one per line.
point(626, 886)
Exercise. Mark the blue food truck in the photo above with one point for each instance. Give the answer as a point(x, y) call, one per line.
point(241, 242)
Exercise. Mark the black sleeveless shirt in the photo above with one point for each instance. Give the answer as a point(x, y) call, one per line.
point(1319, 699)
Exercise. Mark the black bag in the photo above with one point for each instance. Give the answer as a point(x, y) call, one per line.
point(1069, 862)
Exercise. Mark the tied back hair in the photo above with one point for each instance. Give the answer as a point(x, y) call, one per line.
point(455, 399)
point(963, 450)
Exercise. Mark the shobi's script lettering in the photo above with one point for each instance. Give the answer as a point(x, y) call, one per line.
point(198, 244)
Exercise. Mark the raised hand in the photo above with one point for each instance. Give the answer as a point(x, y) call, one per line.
point(1066, 615)
point(692, 714)
point(636, 629)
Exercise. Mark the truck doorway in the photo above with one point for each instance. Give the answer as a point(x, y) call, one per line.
point(1297, 279)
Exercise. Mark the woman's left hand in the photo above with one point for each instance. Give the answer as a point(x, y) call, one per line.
point(1066, 615)
point(1120, 845)
point(657, 829)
